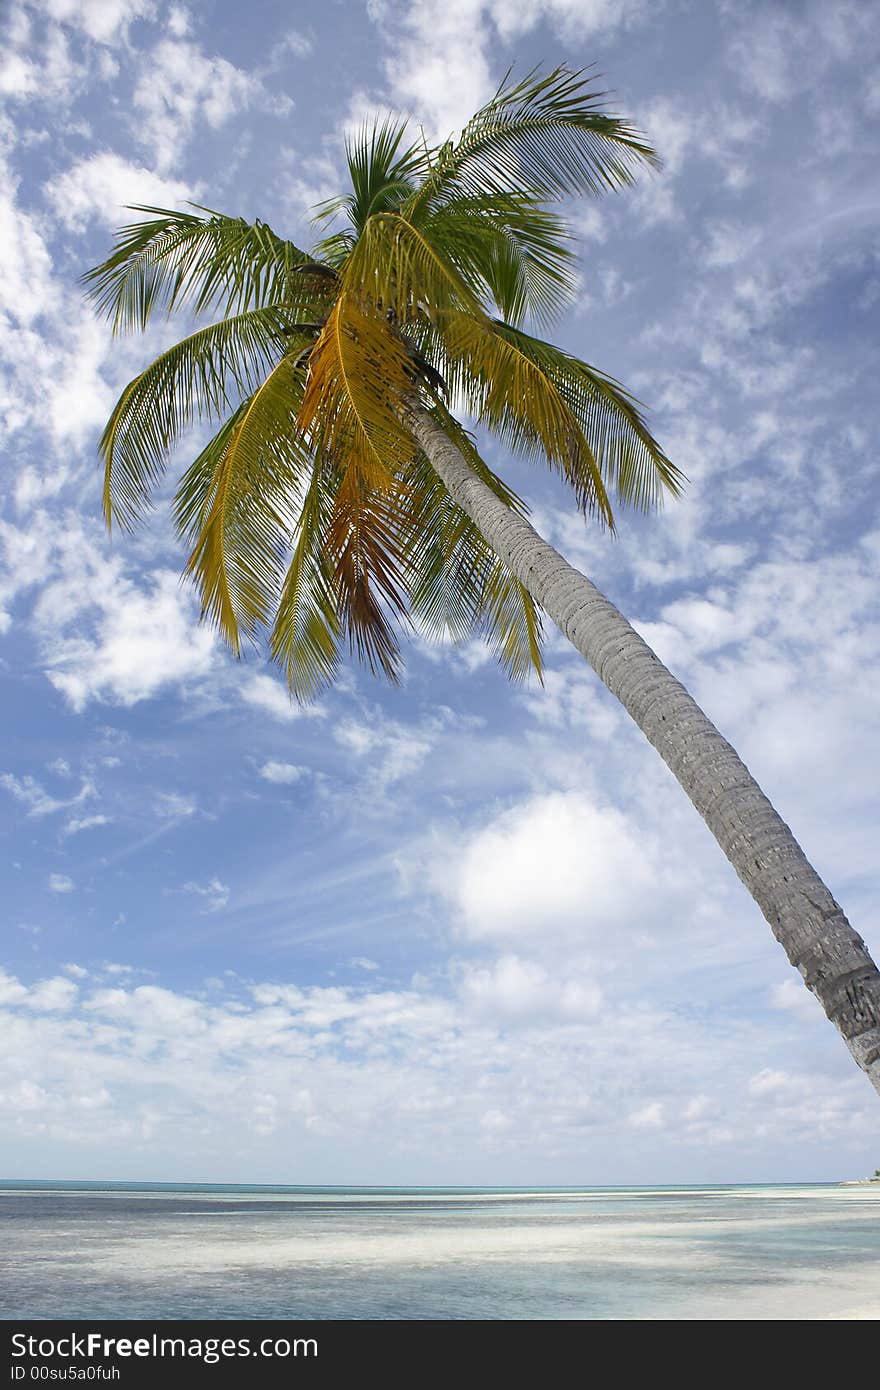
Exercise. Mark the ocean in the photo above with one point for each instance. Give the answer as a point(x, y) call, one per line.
point(158, 1251)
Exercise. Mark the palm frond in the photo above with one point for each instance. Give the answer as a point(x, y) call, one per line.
point(630, 460)
point(402, 272)
point(546, 137)
point(357, 370)
point(509, 248)
point(236, 504)
point(201, 377)
point(369, 571)
point(458, 586)
point(513, 395)
point(381, 172)
point(196, 260)
point(305, 634)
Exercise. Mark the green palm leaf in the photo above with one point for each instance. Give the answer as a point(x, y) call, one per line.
point(546, 137)
point(509, 248)
point(611, 426)
point(382, 174)
point(236, 503)
point(201, 377)
point(459, 587)
point(305, 634)
point(198, 261)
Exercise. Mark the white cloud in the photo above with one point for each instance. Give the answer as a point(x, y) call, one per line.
point(556, 865)
point(517, 990)
point(61, 883)
point(67, 51)
point(114, 641)
point(47, 996)
point(299, 44)
point(37, 799)
point(777, 53)
point(284, 774)
point(179, 21)
point(79, 823)
point(41, 67)
point(25, 260)
point(729, 243)
point(647, 1117)
point(271, 696)
point(772, 1082)
point(443, 63)
point(11, 990)
point(214, 893)
point(18, 78)
point(174, 806)
point(794, 999)
point(181, 86)
point(105, 21)
point(105, 186)
point(438, 67)
point(397, 751)
point(46, 333)
point(396, 1072)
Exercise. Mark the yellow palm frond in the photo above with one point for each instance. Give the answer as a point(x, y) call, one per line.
point(357, 371)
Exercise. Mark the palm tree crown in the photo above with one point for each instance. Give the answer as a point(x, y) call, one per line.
point(312, 511)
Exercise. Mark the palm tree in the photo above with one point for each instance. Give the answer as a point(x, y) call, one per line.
point(339, 498)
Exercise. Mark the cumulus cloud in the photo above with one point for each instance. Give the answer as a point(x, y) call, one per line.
point(105, 21)
point(270, 696)
point(181, 86)
point(25, 259)
point(442, 64)
point(104, 187)
point(515, 989)
point(283, 1068)
point(119, 642)
point(557, 865)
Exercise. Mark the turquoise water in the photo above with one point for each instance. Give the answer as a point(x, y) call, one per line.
point(156, 1250)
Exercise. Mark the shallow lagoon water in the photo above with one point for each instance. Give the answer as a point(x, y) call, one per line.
point(77, 1250)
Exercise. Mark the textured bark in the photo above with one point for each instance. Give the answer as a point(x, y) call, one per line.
point(803, 915)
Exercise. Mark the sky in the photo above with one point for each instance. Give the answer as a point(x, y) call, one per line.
point(459, 931)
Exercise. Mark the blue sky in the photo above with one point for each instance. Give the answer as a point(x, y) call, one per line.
point(458, 931)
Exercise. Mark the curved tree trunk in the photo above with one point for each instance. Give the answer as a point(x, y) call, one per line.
point(804, 918)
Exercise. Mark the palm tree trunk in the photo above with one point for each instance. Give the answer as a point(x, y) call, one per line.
point(803, 915)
